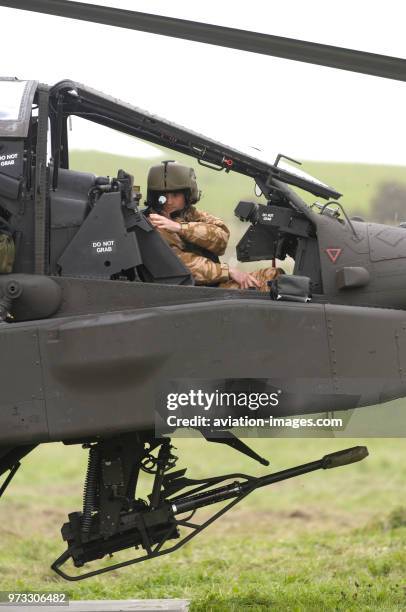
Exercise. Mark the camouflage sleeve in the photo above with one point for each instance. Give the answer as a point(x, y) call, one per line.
point(204, 271)
point(7, 253)
point(208, 232)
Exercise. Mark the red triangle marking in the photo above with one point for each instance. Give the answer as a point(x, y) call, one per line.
point(334, 254)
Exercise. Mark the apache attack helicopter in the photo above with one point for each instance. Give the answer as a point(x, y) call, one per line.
point(98, 313)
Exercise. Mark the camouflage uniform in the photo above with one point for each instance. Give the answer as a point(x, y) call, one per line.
point(201, 240)
point(6, 248)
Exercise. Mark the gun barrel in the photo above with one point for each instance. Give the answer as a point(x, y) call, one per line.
point(236, 489)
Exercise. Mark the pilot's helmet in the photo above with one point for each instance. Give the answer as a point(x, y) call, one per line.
point(171, 176)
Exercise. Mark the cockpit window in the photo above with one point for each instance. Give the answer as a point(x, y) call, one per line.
point(291, 174)
point(16, 104)
point(11, 95)
point(300, 173)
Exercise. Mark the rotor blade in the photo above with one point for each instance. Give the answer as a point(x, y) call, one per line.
point(255, 42)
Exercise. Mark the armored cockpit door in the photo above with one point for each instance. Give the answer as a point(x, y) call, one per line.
point(23, 170)
point(16, 99)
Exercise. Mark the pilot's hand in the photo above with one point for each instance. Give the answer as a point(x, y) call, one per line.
point(162, 222)
point(243, 279)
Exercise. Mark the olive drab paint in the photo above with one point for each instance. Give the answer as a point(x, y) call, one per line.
point(106, 310)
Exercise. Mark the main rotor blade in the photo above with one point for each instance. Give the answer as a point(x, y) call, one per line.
point(255, 42)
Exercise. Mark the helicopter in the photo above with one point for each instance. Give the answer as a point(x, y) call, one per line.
point(98, 313)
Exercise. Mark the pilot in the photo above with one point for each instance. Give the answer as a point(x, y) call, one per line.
point(197, 237)
point(7, 250)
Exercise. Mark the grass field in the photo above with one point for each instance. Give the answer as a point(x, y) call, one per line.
point(331, 540)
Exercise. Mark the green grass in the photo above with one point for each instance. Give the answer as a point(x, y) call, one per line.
point(357, 182)
point(331, 540)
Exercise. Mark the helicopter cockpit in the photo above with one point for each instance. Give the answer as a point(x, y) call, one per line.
point(284, 226)
point(87, 226)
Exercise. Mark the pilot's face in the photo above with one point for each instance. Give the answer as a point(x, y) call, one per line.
point(175, 201)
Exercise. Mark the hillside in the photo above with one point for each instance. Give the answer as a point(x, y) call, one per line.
point(357, 182)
